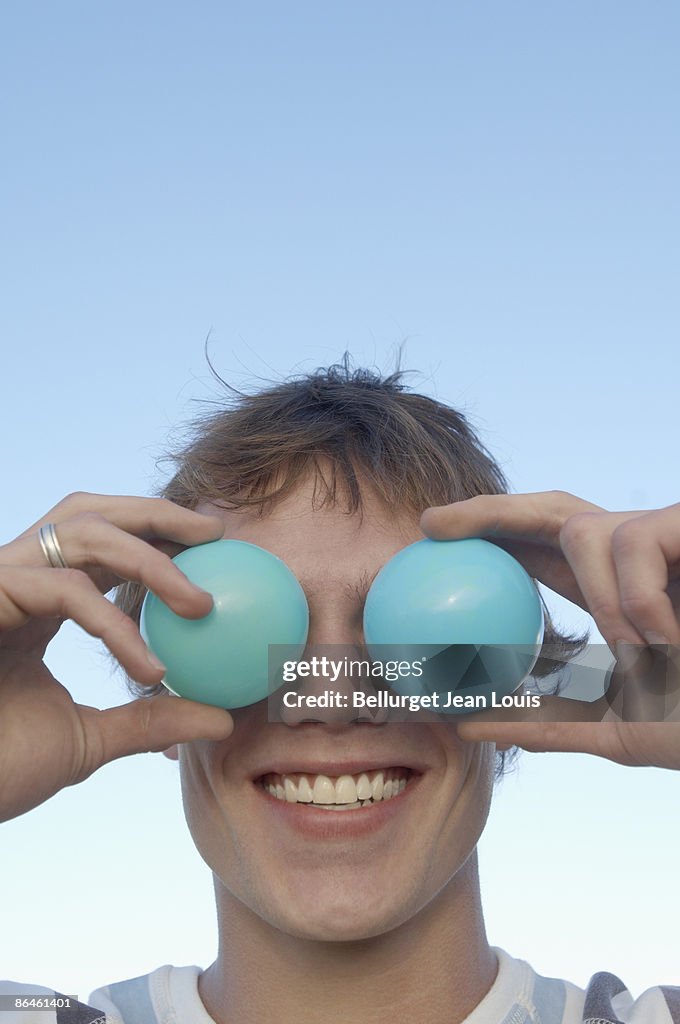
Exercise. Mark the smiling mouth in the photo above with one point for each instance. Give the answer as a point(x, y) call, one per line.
point(338, 793)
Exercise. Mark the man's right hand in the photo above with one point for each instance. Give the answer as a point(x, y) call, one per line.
point(47, 741)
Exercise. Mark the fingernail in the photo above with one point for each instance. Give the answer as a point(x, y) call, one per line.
point(657, 639)
point(154, 661)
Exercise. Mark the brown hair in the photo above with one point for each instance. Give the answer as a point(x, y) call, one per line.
point(346, 425)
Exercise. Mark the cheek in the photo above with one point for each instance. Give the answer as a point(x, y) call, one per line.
point(216, 811)
point(207, 825)
point(197, 794)
point(477, 775)
point(467, 788)
point(480, 780)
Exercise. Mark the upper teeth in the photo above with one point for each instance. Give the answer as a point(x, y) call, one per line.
point(346, 790)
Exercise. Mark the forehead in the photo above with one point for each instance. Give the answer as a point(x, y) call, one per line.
point(324, 547)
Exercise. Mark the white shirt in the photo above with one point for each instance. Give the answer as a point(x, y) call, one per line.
point(169, 995)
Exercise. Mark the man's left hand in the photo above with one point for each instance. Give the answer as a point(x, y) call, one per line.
point(621, 567)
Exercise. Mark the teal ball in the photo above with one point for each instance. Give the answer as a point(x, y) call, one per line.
point(466, 607)
point(223, 658)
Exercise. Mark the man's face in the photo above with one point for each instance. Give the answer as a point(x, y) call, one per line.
point(313, 872)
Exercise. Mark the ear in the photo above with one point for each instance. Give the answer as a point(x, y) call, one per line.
point(172, 753)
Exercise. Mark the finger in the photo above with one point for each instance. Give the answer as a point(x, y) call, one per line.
point(90, 540)
point(643, 548)
point(154, 724)
point(530, 517)
point(586, 540)
point(144, 517)
point(70, 594)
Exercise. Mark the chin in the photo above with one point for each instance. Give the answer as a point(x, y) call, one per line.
point(341, 916)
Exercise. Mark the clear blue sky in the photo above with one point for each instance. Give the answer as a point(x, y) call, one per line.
point(495, 183)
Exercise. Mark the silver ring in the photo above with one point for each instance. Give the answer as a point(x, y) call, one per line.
point(47, 535)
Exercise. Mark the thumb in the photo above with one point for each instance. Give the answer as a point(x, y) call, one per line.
point(152, 724)
point(558, 725)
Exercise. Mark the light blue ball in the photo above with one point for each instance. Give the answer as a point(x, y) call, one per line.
point(466, 606)
point(223, 658)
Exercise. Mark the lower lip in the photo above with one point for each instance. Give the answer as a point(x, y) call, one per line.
point(315, 823)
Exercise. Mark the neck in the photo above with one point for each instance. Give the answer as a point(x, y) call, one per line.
point(435, 968)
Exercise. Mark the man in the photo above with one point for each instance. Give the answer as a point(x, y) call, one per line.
point(375, 912)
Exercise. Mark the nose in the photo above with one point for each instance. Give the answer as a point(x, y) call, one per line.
point(335, 666)
point(333, 687)
point(326, 691)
